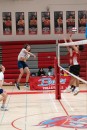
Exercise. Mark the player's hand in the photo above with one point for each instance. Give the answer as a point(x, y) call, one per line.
point(65, 40)
point(34, 56)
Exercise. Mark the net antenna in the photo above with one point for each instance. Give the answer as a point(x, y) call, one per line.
point(82, 42)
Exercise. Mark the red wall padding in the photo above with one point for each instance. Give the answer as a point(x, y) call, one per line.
point(10, 52)
point(29, 42)
point(46, 59)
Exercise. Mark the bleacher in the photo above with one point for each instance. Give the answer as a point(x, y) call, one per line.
point(45, 52)
point(10, 52)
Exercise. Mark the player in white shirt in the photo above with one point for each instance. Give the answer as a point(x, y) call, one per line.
point(22, 65)
point(2, 92)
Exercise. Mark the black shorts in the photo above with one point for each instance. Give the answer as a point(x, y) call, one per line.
point(74, 69)
point(1, 91)
point(22, 64)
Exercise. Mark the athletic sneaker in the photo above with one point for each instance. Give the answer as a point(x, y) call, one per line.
point(27, 85)
point(68, 89)
point(4, 108)
point(17, 85)
point(73, 87)
point(76, 91)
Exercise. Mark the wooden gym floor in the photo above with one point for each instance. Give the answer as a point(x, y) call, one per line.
point(38, 110)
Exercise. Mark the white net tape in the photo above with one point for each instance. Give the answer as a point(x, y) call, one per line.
point(82, 42)
point(80, 79)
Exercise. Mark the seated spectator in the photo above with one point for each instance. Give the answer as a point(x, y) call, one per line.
point(41, 72)
point(50, 71)
point(33, 74)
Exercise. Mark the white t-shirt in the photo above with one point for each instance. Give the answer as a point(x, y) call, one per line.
point(2, 77)
point(23, 54)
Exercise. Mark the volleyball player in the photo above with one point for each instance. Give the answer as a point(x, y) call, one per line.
point(22, 65)
point(74, 67)
point(2, 92)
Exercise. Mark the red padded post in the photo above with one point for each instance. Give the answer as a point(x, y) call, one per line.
point(57, 79)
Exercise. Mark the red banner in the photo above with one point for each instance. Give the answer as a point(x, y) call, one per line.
point(20, 23)
point(32, 17)
point(45, 22)
point(7, 23)
point(47, 82)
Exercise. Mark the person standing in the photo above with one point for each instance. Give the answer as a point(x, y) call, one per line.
point(2, 91)
point(22, 65)
point(74, 67)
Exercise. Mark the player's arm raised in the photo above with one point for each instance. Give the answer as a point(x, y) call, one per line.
point(68, 48)
point(30, 53)
point(74, 47)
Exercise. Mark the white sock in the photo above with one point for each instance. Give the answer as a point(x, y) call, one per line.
point(69, 86)
point(77, 88)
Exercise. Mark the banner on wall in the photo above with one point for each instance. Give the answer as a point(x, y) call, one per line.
point(58, 22)
point(20, 23)
point(7, 23)
point(45, 18)
point(32, 20)
point(70, 21)
point(82, 21)
point(48, 82)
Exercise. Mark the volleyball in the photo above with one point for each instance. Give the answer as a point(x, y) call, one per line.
point(74, 29)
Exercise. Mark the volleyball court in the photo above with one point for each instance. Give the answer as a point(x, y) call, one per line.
point(39, 109)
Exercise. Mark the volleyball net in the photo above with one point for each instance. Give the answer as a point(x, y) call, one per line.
point(61, 63)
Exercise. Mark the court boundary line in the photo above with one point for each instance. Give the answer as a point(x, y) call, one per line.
point(65, 110)
point(16, 93)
